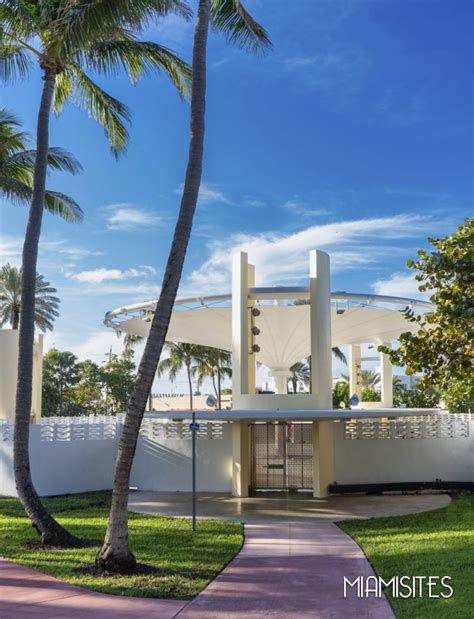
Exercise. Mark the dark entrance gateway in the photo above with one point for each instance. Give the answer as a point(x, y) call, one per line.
point(281, 456)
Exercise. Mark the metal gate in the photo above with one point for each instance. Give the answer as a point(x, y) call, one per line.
point(281, 456)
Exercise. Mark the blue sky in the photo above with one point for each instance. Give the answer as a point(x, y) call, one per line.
point(354, 135)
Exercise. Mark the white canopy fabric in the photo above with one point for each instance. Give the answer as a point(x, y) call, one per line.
point(284, 329)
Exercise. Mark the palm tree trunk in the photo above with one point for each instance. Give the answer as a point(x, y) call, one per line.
point(219, 390)
point(190, 386)
point(15, 318)
point(115, 553)
point(51, 532)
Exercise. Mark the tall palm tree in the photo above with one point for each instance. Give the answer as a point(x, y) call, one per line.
point(300, 373)
point(17, 164)
point(215, 364)
point(68, 38)
point(230, 17)
point(180, 355)
point(46, 304)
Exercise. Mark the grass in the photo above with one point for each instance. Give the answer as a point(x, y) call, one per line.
point(186, 561)
point(438, 543)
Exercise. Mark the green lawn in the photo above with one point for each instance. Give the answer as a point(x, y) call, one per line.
point(439, 543)
point(187, 561)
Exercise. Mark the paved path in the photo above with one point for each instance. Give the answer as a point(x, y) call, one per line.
point(290, 571)
point(284, 507)
point(284, 571)
point(28, 594)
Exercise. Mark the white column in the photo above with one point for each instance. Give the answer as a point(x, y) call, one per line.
point(323, 457)
point(280, 377)
point(320, 308)
point(386, 379)
point(37, 379)
point(240, 352)
point(240, 458)
point(355, 386)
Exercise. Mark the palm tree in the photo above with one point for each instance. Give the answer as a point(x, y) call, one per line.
point(369, 379)
point(230, 17)
point(17, 164)
point(66, 39)
point(213, 363)
point(46, 304)
point(300, 373)
point(180, 355)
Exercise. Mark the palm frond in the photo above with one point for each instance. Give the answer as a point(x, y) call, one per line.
point(231, 18)
point(340, 356)
point(62, 90)
point(15, 190)
point(94, 20)
point(136, 58)
point(105, 109)
point(60, 204)
point(58, 159)
point(15, 63)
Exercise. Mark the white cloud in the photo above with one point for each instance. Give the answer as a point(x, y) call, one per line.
point(399, 285)
point(336, 73)
point(208, 194)
point(281, 258)
point(129, 217)
point(297, 207)
point(98, 276)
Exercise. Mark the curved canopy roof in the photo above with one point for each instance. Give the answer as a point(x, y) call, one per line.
point(284, 329)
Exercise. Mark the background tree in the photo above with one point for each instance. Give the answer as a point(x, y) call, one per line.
point(17, 164)
point(369, 379)
point(67, 40)
point(340, 394)
point(60, 374)
point(88, 393)
point(230, 17)
point(118, 376)
point(443, 347)
point(215, 364)
point(181, 356)
point(46, 303)
point(418, 396)
point(300, 373)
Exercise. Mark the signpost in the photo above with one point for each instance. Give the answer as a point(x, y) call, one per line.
point(194, 427)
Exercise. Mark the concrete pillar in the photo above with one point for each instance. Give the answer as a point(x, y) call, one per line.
point(386, 380)
point(280, 377)
point(320, 320)
point(243, 363)
point(240, 458)
point(8, 375)
point(323, 457)
point(355, 385)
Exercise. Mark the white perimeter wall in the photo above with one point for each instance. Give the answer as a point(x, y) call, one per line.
point(69, 466)
point(402, 460)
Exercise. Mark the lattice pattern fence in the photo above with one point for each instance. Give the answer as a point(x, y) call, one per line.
point(443, 425)
point(105, 428)
point(6, 430)
point(155, 429)
point(78, 428)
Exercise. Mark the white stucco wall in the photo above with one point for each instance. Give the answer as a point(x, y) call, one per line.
point(403, 460)
point(71, 466)
point(165, 464)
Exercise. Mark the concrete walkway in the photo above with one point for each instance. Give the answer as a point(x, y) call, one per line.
point(284, 571)
point(284, 507)
point(290, 571)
